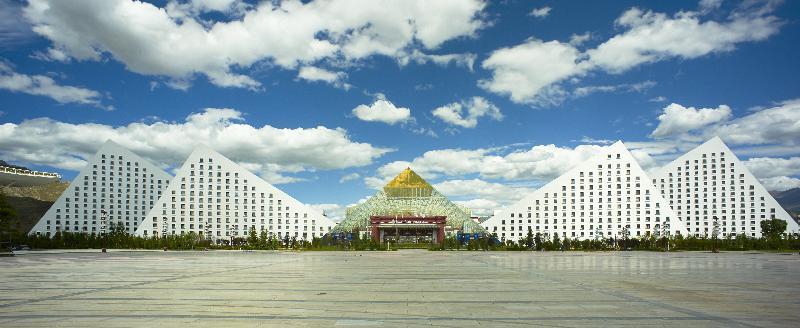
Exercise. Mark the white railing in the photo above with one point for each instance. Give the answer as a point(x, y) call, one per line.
point(28, 172)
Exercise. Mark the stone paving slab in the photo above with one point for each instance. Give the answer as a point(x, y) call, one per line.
point(406, 288)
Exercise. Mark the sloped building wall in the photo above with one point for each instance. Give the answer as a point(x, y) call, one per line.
point(215, 197)
point(116, 184)
point(604, 197)
point(708, 184)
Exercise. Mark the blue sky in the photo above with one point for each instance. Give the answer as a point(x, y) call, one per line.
point(330, 99)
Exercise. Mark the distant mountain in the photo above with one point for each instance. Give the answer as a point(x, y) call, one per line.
point(32, 202)
point(3, 163)
point(789, 199)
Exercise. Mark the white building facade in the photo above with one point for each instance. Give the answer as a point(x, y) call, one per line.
point(217, 198)
point(116, 187)
point(709, 185)
point(608, 196)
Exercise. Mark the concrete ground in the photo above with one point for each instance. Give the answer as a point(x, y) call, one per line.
point(405, 288)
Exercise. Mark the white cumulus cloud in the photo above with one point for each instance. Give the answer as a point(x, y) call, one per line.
point(528, 73)
point(540, 12)
point(532, 72)
point(267, 150)
point(770, 167)
point(481, 206)
point(349, 177)
point(334, 212)
point(41, 85)
point(706, 6)
point(316, 74)
point(192, 8)
point(466, 113)
point(776, 125)
point(781, 183)
point(540, 163)
point(172, 42)
point(478, 188)
point(654, 36)
point(466, 60)
point(625, 87)
point(776, 174)
point(677, 119)
point(382, 110)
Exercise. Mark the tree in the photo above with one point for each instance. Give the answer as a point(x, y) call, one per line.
point(538, 241)
point(494, 240)
point(263, 239)
point(773, 228)
point(529, 238)
point(566, 244)
point(521, 243)
point(8, 219)
point(625, 234)
point(556, 242)
point(252, 238)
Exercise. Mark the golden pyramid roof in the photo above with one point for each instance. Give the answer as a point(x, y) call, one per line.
point(408, 184)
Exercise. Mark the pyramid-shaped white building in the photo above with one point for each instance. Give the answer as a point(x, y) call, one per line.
point(116, 185)
point(597, 199)
point(710, 183)
point(215, 197)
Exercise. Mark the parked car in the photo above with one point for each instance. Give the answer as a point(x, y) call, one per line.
point(22, 248)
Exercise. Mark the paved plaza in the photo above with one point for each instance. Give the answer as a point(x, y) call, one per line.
point(405, 288)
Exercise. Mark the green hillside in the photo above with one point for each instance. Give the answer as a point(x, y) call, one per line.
point(30, 203)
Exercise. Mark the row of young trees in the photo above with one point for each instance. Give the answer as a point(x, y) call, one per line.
point(68, 240)
point(119, 238)
point(9, 222)
point(773, 238)
point(773, 231)
point(678, 243)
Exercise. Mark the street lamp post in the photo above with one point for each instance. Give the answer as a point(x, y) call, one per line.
point(103, 229)
point(656, 234)
point(208, 232)
point(714, 235)
point(624, 235)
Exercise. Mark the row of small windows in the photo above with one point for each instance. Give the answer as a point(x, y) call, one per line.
point(228, 220)
point(231, 180)
point(572, 234)
point(128, 211)
point(209, 226)
point(271, 234)
point(582, 219)
point(235, 213)
point(580, 198)
point(76, 202)
point(706, 207)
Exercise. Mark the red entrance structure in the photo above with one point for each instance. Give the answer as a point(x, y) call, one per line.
point(408, 229)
